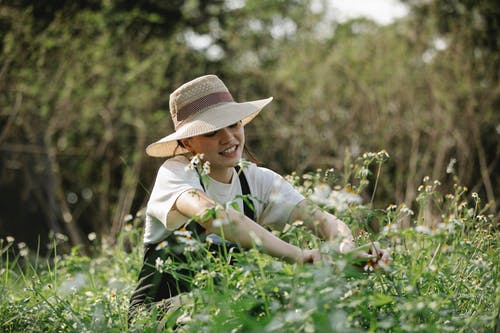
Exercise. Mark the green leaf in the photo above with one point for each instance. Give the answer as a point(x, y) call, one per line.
point(381, 299)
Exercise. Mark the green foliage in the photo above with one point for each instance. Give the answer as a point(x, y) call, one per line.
point(443, 278)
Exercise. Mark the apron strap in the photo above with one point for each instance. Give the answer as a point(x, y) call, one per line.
point(245, 190)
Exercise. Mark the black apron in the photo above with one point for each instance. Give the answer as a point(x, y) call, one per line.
point(153, 285)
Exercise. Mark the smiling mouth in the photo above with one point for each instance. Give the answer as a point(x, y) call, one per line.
point(229, 150)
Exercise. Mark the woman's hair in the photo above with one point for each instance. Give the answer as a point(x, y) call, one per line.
point(250, 155)
point(246, 150)
point(179, 144)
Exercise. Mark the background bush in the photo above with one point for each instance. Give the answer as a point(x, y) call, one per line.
point(84, 88)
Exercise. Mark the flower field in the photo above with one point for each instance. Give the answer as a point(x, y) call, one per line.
point(444, 276)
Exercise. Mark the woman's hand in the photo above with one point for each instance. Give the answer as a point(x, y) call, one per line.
point(371, 255)
point(309, 256)
point(366, 256)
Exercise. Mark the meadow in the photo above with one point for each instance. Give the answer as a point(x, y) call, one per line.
point(444, 276)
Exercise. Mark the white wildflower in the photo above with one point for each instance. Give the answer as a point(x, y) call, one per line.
point(423, 229)
point(159, 264)
point(321, 193)
point(127, 218)
point(382, 155)
point(206, 169)
point(364, 172)
point(342, 199)
point(161, 245)
point(10, 239)
point(346, 295)
point(183, 233)
point(242, 163)
point(405, 210)
point(187, 241)
point(391, 207)
point(465, 241)
point(368, 155)
point(482, 218)
point(195, 160)
point(92, 236)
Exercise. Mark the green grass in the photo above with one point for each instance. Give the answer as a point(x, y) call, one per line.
point(444, 278)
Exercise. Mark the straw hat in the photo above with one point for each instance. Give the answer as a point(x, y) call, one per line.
point(201, 106)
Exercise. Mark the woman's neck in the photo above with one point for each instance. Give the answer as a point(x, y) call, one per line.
point(223, 175)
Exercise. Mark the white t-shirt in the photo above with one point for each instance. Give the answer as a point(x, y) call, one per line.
point(275, 197)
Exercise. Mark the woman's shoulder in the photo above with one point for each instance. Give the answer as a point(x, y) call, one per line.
point(175, 170)
point(259, 172)
point(179, 161)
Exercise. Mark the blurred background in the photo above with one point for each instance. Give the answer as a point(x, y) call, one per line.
point(84, 87)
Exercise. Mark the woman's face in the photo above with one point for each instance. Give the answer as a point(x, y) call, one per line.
point(222, 148)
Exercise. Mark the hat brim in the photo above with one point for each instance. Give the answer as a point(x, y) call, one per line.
point(209, 120)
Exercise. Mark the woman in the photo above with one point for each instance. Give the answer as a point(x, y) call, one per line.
point(209, 129)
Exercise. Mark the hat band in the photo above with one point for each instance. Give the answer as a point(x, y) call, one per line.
point(203, 103)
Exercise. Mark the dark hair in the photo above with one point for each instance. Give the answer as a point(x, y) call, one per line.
point(250, 155)
point(179, 144)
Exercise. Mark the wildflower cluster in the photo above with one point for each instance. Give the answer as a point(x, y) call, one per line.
point(165, 265)
point(184, 236)
point(427, 188)
point(196, 161)
point(358, 171)
point(337, 200)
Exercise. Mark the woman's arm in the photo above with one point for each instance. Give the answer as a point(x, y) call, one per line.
point(327, 226)
point(324, 224)
point(240, 229)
